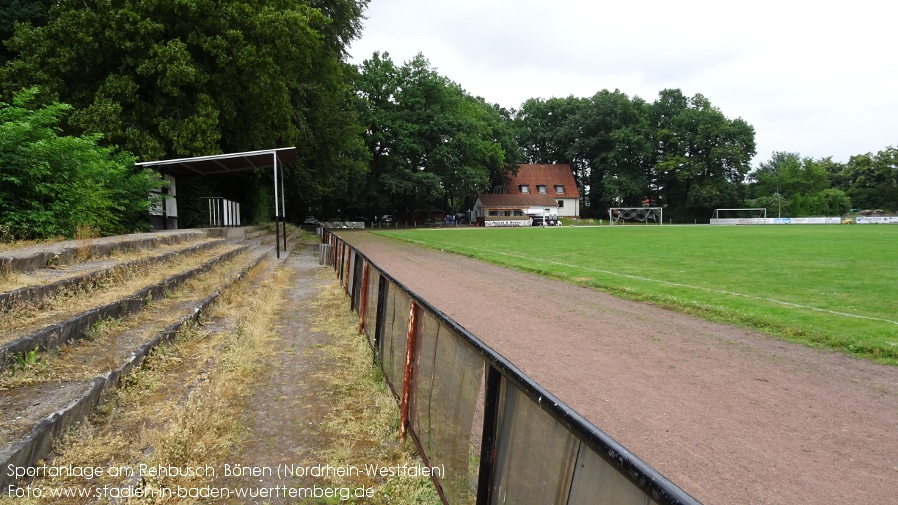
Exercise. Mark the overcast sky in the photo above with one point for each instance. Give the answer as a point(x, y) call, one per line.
point(811, 77)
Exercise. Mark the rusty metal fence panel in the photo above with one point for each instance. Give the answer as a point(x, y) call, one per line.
point(447, 380)
point(372, 299)
point(535, 455)
point(392, 343)
point(500, 436)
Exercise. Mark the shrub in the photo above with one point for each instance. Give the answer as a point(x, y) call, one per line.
point(51, 183)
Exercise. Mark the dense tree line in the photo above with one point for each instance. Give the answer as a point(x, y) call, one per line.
point(679, 152)
point(791, 185)
point(162, 79)
point(156, 79)
point(430, 142)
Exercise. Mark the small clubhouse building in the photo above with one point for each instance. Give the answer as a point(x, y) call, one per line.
point(546, 191)
point(512, 210)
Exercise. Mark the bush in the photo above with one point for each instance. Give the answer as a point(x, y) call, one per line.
point(52, 183)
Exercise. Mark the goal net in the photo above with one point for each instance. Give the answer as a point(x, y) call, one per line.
point(620, 215)
point(739, 216)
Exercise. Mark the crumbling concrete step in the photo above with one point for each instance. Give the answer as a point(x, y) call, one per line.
point(73, 251)
point(40, 284)
point(53, 336)
point(52, 406)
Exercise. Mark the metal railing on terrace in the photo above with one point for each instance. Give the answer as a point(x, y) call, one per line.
point(222, 212)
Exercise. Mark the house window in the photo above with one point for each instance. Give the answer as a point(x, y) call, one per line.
point(560, 204)
point(524, 188)
point(493, 213)
point(541, 188)
point(559, 188)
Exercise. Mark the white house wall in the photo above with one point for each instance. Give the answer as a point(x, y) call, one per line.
point(171, 204)
point(571, 207)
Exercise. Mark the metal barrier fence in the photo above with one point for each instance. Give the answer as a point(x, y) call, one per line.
point(500, 436)
point(222, 212)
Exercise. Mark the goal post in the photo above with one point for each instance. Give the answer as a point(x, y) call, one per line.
point(619, 215)
point(740, 216)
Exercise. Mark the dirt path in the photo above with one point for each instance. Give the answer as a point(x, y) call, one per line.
point(732, 416)
point(318, 403)
point(287, 406)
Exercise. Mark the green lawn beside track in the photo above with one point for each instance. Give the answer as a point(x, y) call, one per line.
point(835, 286)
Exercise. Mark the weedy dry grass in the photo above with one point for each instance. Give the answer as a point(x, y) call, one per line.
point(99, 351)
point(84, 240)
point(117, 285)
point(182, 409)
point(365, 420)
point(12, 279)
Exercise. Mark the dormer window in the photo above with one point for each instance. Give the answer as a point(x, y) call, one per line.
point(541, 188)
point(559, 189)
point(525, 189)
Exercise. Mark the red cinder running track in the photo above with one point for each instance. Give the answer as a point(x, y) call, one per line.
point(730, 415)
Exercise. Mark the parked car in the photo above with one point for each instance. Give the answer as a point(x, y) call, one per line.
point(550, 220)
point(386, 218)
point(309, 220)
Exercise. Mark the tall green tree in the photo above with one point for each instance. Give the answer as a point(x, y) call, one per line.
point(614, 143)
point(795, 186)
point(173, 79)
point(678, 151)
point(790, 174)
point(430, 141)
point(702, 156)
point(547, 129)
point(13, 12)
point(871, 180)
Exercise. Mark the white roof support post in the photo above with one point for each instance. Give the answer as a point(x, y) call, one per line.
point(277, 238)
point(284, 207)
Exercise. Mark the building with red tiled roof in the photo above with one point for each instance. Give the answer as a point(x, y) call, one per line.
point(540, 191)
point(556, 181)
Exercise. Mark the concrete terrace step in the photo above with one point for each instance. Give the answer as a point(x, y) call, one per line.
point(39, 401)
point(76, 251)
point(33, 287)
point(49, 337)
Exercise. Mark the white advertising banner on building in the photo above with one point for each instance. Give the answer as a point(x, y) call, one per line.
point(510, 222)
point(877, 220)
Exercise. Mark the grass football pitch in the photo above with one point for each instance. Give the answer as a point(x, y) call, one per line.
point(833, 286)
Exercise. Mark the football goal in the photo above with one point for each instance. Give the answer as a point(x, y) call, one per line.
point(739, 216)
point(620, 215)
